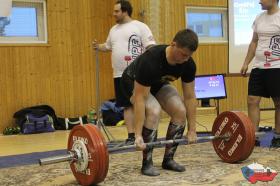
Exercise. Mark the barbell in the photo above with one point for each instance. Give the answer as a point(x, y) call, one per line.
point(233, 138)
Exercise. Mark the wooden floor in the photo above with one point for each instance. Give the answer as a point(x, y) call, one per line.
point(20, 144)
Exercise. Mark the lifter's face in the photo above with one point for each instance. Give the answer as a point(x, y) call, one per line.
point(118, 14)
point(267, 4)
point(180, 55)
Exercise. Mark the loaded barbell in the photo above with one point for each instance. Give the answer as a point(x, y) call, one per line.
point(233, 138)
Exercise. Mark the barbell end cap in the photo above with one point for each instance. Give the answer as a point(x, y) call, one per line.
point(228, 136)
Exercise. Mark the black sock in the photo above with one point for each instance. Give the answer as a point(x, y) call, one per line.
point(174, 132)
point(149, 135)
point(131, 135)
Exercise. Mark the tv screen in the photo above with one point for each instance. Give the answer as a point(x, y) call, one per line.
point(210, 86)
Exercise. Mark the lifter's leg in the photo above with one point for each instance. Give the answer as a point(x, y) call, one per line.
point(149, 133)
point(172, 103)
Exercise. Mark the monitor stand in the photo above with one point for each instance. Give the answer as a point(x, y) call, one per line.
point(205, 102)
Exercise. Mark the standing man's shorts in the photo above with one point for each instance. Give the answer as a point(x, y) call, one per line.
point(264, 82)
point(118, 92)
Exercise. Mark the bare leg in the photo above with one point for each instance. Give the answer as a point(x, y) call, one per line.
point(276, 139)
point(153, 110)
point(172, 103)
point(128, 118)
point(254, 109)
point(277, 114)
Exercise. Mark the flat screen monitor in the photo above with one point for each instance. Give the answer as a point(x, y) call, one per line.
point(210, 86)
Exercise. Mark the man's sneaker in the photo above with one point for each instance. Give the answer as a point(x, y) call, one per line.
point(129, 141)
point(257, 143)
point(275, 143)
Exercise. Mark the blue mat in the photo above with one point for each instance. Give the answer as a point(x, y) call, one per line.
point(27, 159)
point(32, 158)
point(265, 141)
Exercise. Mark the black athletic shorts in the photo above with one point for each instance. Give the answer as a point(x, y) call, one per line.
point(127, 86)
point(118, 91)
point(264, 82)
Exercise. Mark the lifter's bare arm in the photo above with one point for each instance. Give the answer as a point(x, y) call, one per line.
point(190, 104)
point(140, 96)
point(250, 54)
point(101, 47)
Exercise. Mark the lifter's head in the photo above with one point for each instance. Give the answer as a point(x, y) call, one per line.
point(183, 45)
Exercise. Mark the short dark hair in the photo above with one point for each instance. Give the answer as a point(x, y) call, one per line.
point(186, 38)
point(125, 6)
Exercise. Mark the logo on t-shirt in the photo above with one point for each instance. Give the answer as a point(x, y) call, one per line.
point(168, 78)
point(275, 45)
point(135, 46)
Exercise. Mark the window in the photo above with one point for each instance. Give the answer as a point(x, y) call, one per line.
point(210, 24)
point(26, 24)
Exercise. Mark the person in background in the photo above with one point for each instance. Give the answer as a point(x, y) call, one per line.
point(127, 39)
point(264, 79)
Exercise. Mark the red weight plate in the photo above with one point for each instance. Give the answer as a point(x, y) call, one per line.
point(103, 152)
point(242, 139)
point(98, 152)
point(105, 155)
point(90, 175)
point(251, 134)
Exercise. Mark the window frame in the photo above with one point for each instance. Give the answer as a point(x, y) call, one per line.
point(219, 10)
point(42, 29)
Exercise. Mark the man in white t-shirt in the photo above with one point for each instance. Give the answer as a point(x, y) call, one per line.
point(127, 39)
point(265, 76)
